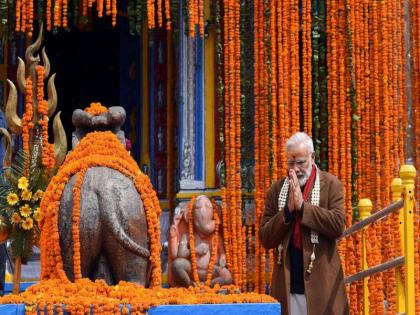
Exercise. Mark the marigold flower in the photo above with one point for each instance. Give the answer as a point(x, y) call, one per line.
point(16, 218)
point(96, 109)
point(26, 195)
point(28, 224)
point(25, 210)
point(12, 199)
point(38, 195)
point(37, 214)
point(23, 183)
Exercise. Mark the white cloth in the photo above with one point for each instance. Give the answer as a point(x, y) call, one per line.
point(298, 304)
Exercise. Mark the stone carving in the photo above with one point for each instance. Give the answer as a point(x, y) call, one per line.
point(84, 123)
point(187, 164)
point(113, 229)
point(208, 246)
point(160, 139)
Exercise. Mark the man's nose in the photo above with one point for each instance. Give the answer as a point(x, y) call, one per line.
point(296, 168)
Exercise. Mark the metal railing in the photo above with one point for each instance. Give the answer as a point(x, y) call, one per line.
point(403, 198)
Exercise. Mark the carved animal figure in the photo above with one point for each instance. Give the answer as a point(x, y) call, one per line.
point(113, 228)
point(204, 230)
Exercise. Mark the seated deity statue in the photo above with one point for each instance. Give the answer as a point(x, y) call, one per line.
point(196, 251)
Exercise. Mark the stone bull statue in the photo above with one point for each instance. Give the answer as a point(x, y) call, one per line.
point(113, 228)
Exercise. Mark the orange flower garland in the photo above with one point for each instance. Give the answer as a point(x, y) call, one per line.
point(18, 15)
point(96, 109)
point(114, 12)
point(167, 15)
point(95, 149)
point(159, 12)
point(78, 297)
point(192, 241)
point(48, 159)
point(76, 221)
point(56, 14)
point(213, 249)
point(226, 234)
point(215, 243)
point(24, 16)
point(27, 124)
point(232, 129)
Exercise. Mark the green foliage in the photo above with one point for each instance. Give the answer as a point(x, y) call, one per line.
point(247, 85)
point(22, 243)
point(136, 12)
point(319, 83)
point(354, 116)
point(4, 10)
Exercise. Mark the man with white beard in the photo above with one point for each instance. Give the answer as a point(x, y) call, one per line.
point(303, 217)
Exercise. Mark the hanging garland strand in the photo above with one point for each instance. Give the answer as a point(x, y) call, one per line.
point(59, 13)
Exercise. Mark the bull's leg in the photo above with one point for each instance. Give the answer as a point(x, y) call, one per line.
point(90, 229)
point(125, 230)
point(124, 264)
point(102, 271)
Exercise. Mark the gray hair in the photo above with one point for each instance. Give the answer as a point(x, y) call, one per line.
point(298, 138)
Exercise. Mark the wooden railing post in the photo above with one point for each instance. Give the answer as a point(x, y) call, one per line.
point(408, 174)
point(396, 188)
point(365, 210)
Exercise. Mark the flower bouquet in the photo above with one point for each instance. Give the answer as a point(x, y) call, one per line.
point(20, 197)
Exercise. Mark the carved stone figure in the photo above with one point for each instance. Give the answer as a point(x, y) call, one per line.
point(208, 246)
point(113, 229)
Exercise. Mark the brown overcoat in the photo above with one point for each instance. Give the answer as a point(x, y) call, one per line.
point(324, 287)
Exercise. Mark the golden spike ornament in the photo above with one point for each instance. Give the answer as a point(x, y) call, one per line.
point(33, 126)
point(60, 140)
point(13, 120)
point(7, 161)
point(21, 75)
point(46, 63)
point(52, 96)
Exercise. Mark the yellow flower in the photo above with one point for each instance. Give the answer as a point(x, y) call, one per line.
point(37, 214)
point(39, 193)
point(12, 199)
point(23, 183)
point(25, 210)
point(27, 224)
point(15, 218)
point(26, 195)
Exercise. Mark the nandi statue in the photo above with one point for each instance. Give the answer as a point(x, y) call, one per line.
point(103, 210)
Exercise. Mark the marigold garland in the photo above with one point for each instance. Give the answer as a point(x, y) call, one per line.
point(48, 159)
point(232, 129)
point(96, 109)
point(96, 149)
point(77, 190)
point(213, 248)
point(57, 13)
point(80, 296)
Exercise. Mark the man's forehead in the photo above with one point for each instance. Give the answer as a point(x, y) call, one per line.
point(297, 150)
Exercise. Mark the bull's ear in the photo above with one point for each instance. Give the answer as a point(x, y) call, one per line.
point(121, 136)
point(74, 140)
